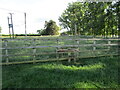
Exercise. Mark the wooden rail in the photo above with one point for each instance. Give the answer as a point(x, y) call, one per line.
point(46, 53)
point(59, 48)
point(49, 60)
point(57, 39)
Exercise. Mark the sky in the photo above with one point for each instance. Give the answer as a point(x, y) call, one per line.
point(37, 12)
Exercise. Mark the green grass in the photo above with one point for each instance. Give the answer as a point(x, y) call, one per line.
point(86, 73)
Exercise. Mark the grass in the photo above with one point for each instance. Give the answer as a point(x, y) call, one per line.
point(86, 73)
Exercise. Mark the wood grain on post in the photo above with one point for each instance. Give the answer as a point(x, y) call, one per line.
point(34, 51)
point(57, 54)
point(69, 57)
point(6, 51)
point(109, 42)
point(94, 45)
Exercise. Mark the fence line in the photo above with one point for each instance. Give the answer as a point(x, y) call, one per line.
point(34, 48)
point(54, 59)
point(59, 46)
point(45, 53)
point(58, 39)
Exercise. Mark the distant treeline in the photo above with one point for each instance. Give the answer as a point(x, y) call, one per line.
point(21, 35)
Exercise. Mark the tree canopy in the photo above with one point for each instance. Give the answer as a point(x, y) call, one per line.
point(50, 28)
point(91, 18)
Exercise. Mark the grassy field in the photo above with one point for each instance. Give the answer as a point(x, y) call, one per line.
point(96, 72)
point(86, 73)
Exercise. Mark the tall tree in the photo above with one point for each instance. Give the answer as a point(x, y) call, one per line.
point(96, 20)
point(73, 16)
point(112, 18)
point(91, 18)
point(51, 28)
point(116, 9)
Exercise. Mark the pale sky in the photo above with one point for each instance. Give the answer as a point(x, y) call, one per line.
point(38, 11)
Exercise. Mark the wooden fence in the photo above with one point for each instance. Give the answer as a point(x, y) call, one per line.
point(72, 50)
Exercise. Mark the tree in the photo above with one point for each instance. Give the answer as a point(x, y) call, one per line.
point(73, 16)
point(40, 32)
point(96, 20)
point(51, 28)
point(91, 18)
point(112, 18)
point(116, 10)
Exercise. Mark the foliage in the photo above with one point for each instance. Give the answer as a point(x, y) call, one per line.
point(91, 18)
point(50, 28)
point(27, 35)
point(40, 31)
point(65, 33)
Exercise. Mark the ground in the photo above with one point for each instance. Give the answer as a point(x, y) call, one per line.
point(86, 73)
point(99, 72)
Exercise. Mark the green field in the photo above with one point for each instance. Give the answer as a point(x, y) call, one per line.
point(99, 72)
point(87, 73)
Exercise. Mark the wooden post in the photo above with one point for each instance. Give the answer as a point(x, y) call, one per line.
point(69, 57)
point(75, 56)
point(57, 54)
point(6, 51)
point(76, 53)
point(94, 47)
point(109, 42)
point(34, 51)
point(78, 42)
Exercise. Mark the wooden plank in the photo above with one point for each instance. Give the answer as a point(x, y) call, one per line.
point(59, 39)
point(94, 45)
point(59, 46)
point(6, 51)
point(24, 62)
point(62, 46)
point(34, 51)
point(28, 39)
point(109, 42)
point(57, 55)
point(67, 50)
point(44, 53)
point(100, 56)
point(32, 61)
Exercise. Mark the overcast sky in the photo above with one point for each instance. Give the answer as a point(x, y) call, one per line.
point(38, 11)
